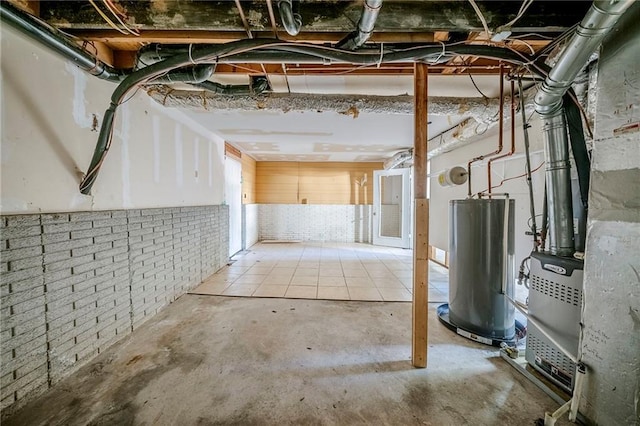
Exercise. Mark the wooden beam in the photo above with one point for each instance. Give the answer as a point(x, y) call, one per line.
point(29, 6)
point(102, 51)
point(398, 15)
point(272, 19)
point(421, 220)
point(127, 41)
point(441, 36)
point(123, 59)
point(243, 18)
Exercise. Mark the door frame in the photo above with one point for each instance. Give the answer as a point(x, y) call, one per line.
point(406, 224)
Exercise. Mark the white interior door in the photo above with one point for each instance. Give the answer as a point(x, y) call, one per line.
point(233, 197)
point(392, 208)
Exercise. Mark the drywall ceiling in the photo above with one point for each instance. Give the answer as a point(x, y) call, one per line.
point(336, 136)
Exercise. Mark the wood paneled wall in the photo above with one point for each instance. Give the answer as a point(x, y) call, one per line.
point(248, 179)
point(314, 183)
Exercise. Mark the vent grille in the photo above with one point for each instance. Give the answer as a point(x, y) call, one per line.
point(550, 354)
point(555, 290)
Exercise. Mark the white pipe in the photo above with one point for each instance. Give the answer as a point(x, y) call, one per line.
point(580, 375)
point(550, 419)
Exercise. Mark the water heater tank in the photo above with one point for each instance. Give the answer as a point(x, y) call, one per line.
point(477, 267)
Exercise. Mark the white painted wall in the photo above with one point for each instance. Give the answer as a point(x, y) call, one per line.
point(251, 232)
point(158, 157)
point(233, 198)
point(511, 166)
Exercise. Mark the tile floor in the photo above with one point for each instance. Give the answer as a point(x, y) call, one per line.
point(333, 271)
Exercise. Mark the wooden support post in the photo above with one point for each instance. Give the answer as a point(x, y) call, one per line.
point(421, 220)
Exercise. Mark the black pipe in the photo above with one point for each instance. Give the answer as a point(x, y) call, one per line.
point(102, 146)
point(525, 127)
point(58, 42)
point(545, 219)
point(238, 51)
point(194, 74)
point(302, 53)
point(258, 85)
point(583, 163)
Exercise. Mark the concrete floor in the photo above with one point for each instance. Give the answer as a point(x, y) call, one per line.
point(224, 360)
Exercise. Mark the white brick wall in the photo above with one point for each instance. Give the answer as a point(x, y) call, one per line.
point(339, 223)
point(72, 284)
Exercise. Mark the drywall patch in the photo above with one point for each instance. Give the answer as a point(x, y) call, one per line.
point(178, 154)
point(292, 157)
point(8, 204)
point(258, 146)
point(210, 160)
point(79, 111)
point(259, 132)
point(155, 122)
point(125, 115)
point(196, 159)
point(383, 149)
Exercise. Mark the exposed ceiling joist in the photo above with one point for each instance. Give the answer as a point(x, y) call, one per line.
point(318, 16)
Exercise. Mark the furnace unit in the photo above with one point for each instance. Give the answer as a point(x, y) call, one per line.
point(555, 302)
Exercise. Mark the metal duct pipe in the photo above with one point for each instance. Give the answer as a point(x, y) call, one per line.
point(292, 22)
point(365, 25)
point(58, 42)
point(598, 21)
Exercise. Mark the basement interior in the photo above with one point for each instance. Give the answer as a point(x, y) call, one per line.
point(320, 212)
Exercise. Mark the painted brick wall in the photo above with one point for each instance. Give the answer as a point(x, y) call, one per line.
point(307, 222)
point(72, 284)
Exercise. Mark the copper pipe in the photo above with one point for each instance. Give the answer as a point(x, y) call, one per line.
point(500, 136)
point(513, 136)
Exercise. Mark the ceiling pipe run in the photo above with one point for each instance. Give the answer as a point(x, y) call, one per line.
point(58, 42)
point(195, 74)
point(237, 51)
point(292, 22)
point(484, 112)
point(366, 25)
point(500, 136)
point(398, 159)
point(258, 85)
point(589, 34)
